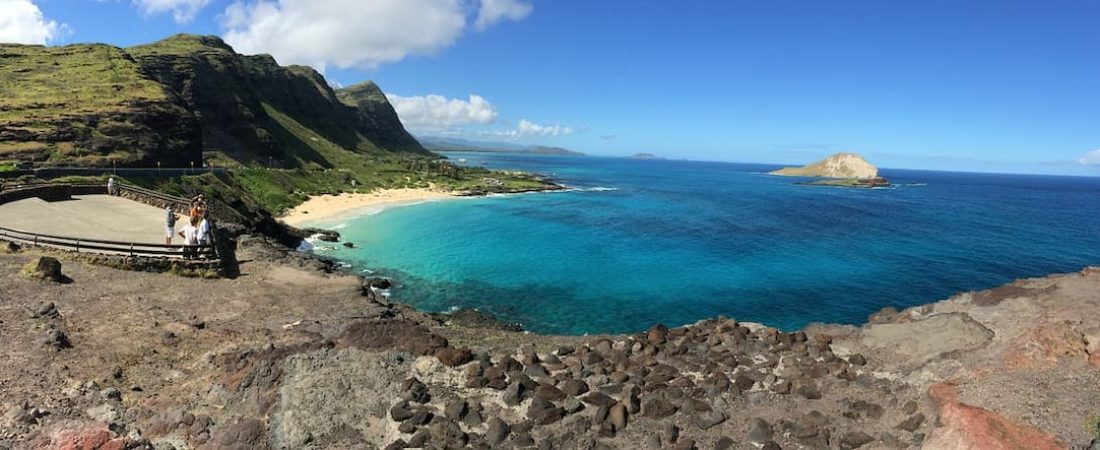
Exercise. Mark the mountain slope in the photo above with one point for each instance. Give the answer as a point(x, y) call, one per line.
point(183, 100)
point(239, 99)
point(90, 105)
point(840, 165)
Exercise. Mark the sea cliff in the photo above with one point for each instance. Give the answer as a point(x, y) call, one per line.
point(299, 355)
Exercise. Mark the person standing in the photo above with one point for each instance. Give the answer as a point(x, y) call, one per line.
point(170, 225)
point(190, 235)
point(111, 188)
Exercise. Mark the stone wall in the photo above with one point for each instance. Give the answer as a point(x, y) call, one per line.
point(49, 193)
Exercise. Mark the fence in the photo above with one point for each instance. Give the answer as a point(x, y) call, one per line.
point(51, 191)
point(132, 249)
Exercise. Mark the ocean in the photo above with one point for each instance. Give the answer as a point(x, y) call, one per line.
point(639, 242)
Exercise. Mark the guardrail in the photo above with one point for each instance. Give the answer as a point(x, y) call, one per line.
point(115, 248)
point(132, 249)
point(171, 199)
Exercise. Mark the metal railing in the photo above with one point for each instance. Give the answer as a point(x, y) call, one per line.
point(81, 245)
point(157, 195)
point(116, 248)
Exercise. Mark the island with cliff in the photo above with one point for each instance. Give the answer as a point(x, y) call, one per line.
point(840, 169)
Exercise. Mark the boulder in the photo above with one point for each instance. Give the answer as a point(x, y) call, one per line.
point(855, 439)
point(453, 357)
point(657, 408)
point(497, 432)
point(617, 417)
point(574, 387)
point(707, 419)
point(759, 431)
point(44, 268)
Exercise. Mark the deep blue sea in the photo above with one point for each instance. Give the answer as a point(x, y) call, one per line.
point(645, 241)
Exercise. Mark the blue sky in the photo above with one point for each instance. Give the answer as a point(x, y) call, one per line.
point(1001, 86)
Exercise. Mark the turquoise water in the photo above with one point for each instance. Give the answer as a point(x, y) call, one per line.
point(646, 241)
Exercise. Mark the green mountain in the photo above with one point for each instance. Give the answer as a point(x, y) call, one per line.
point(181, 100)
point(283, 132)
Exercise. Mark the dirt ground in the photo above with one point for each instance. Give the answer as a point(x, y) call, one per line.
point(288, 356)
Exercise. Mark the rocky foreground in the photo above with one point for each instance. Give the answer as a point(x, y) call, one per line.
point(289, 356)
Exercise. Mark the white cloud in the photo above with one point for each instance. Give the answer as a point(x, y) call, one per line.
point(1091, 158)
point(527, 128)
point(21, 22)
point(343, 33)
point(356, 33)
point(436, 113)
point(183, 11)
point(493, 11)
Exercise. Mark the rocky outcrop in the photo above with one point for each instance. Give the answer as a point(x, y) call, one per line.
point(840, 165)
point(252, 109)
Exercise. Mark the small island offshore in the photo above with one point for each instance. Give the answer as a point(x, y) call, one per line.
point(116, 335)
point(840, 169)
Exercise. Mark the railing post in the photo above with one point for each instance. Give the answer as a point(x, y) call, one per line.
point(131, 249)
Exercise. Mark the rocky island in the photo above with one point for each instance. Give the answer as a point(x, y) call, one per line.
point(840, 169)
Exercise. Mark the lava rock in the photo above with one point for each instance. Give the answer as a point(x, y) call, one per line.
point(574, 387)
point(46, 311)
point(498, 431)
point(912, 422)
point(759, 431)
point(453, 357)
point(707, 419)
point(857, 359)
point(724, 443)
point(45, 268)
point(617, 417)
point(456, 409)
point(57, 339)
point(599, 399)
point(855, 439)
point(809, 391)
point(658, 408)
point(550, 393)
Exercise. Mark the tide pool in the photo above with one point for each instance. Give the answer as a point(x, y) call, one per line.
point(637, 242)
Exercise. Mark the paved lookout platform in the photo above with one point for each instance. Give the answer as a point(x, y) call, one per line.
point(100, 217)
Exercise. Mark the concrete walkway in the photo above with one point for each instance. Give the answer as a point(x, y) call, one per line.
point(89, 216)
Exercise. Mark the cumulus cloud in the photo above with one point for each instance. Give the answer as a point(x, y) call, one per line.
point(23, 23)
point(183, 11)
point(356, 33)
point(1091, 158)
point(493, 11)
point(436, 113)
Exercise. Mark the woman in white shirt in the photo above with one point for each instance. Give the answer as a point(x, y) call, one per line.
point(190, 235)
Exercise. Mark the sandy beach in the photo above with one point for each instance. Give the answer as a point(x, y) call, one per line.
point(326, 207)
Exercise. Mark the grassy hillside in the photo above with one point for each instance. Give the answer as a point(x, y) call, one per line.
point(283, 132)
point(88, 105)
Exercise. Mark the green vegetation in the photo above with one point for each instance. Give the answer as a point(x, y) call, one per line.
point(7, 168)
point(282, 132)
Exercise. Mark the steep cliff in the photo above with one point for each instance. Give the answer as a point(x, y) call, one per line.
point(181, 100)
point(252, 109)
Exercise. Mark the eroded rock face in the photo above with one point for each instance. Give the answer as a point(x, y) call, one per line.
point(338, 395)
point(965, 426)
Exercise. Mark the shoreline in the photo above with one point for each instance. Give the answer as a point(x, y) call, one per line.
point(327, 206)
